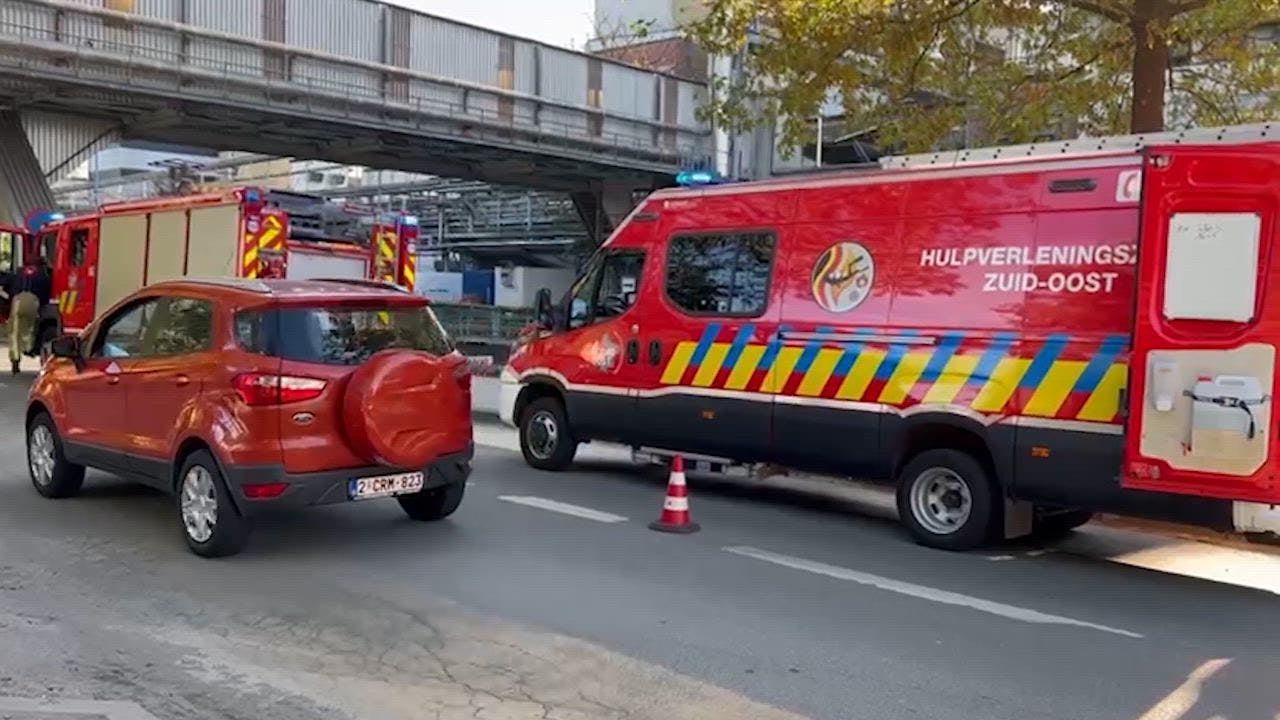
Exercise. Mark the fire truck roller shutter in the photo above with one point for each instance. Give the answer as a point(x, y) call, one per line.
point(167, 246)
point(306, 265)
point(122, 248)
point(214, 243)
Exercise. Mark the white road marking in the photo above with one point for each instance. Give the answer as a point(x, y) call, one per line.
point(1184, 697)
point(563, 508)
point(923, 592)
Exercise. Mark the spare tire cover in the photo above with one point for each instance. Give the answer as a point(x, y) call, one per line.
point(401, 408)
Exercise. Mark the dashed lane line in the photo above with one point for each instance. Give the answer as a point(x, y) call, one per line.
point(563, 508)
point(946, 597)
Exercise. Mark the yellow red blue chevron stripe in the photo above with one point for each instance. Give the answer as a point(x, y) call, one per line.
point(1057, 376)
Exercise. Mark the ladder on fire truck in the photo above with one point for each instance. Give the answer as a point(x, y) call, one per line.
point(1086, 146)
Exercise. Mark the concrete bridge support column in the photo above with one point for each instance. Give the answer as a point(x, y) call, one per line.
point(22, 182)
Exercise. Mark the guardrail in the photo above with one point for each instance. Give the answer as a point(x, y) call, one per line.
point(471, 324)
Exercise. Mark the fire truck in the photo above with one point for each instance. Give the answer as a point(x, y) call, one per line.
point(99, 257)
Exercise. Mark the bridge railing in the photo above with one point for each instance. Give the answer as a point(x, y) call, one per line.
point(481, 324)
point(129, 51)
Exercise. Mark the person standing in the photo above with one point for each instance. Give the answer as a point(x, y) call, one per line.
point(29, 291)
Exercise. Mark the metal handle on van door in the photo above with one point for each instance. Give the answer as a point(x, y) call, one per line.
point(839, 337)
point(655, 352)
point(633, 351)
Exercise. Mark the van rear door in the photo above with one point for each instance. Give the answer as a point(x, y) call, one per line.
point(1203, 373)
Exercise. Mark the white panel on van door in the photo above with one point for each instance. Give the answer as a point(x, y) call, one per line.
point(1211, 269)
point(306, 266)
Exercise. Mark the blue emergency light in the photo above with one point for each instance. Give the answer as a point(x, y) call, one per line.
point(409, 220)
point(688, 178)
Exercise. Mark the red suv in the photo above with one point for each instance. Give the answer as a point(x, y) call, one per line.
point(239, 396)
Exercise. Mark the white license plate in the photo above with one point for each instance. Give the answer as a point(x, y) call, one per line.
point(384, 485)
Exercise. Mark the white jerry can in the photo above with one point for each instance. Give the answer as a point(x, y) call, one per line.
point(1226, 417)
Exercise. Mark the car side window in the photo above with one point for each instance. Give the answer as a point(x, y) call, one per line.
point(723, 274)
point(181, 326)
point(122, 334)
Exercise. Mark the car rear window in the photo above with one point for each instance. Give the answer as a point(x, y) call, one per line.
point(340, 335)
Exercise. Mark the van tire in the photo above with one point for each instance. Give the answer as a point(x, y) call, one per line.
point(230, 529)
point(436, 503)
point(64, 478)
point(935, 487)
point(546, 440)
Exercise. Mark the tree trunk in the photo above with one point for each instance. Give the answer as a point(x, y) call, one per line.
point(1150, 65)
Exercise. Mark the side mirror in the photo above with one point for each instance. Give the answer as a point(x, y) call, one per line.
point(67, 346)
point(543, 313)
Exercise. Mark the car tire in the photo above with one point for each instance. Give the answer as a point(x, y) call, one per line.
point(434, 504)
point(52, 475)
point(210, 522)
point(1057, 525)
point(546, 440)
point(947, 499)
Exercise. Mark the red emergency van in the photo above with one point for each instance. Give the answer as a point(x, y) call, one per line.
point(1015, 337)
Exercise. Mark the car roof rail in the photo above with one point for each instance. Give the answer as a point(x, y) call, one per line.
point(248, 285)
point(361, 282)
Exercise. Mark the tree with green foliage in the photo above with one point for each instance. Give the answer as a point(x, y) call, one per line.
point(916, 72)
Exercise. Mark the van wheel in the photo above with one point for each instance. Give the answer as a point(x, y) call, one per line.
point(51, 474)
point(209, 519)
point(434, 504)
point(546, 440)
point(947, 500)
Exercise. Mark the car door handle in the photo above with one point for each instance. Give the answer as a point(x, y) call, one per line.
point(182, 381)
point(655, 352)
point(633, 351)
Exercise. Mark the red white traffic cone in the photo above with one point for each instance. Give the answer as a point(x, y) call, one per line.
point(675, 508)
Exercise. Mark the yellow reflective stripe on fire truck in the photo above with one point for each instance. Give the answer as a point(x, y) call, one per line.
point(954, 377)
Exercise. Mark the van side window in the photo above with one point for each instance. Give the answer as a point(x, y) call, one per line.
point(720, 274)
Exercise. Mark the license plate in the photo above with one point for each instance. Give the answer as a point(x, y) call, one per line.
point(384, 485)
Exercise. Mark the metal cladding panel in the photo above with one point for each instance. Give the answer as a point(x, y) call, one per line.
point(61, 142)
point(628, 92)
point(26, 21)
point(170, 10)
point(234, 17)
point(446, 49)
point(526, 75)
point(347, 28)
point(564, 76)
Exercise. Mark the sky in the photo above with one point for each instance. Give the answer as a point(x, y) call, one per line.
point(567, 23)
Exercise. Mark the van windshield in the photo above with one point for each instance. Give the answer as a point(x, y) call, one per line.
point(340, 335)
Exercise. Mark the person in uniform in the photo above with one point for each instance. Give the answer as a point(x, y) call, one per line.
point(29, 291)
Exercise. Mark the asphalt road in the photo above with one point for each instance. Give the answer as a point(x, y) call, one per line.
point(547, 597)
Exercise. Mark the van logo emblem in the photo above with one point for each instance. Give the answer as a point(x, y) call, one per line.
point(303, 418)
point(842, 277)
point(603, 353)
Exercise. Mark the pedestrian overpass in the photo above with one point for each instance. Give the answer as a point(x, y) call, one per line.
point(350, 81)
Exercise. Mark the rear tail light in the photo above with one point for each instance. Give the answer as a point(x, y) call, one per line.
point(263, 389)
point(263, 491)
